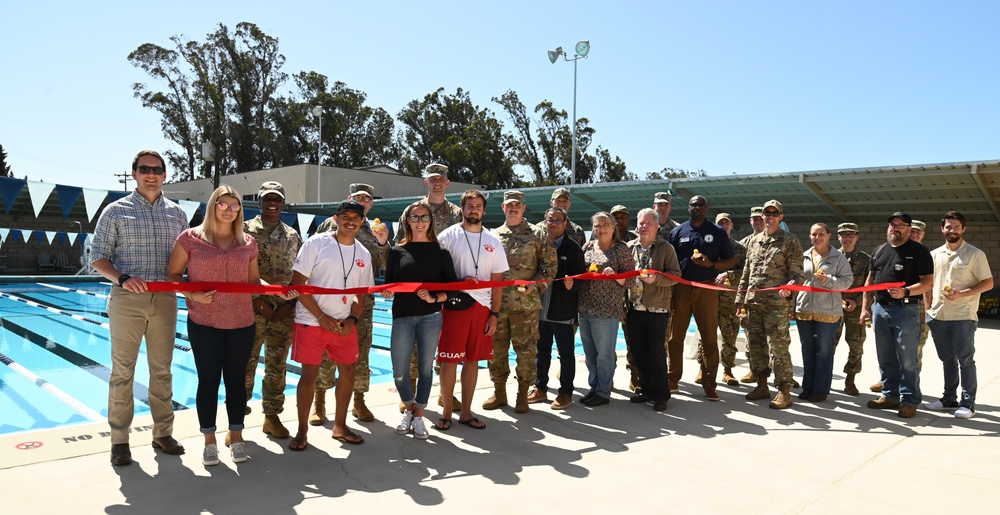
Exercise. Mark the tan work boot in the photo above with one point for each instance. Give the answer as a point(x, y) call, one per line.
point(849, 387)
point(360, 411)
point(750, 378)
point(877, 387)
point(697, 378)
point(521, 406)
point(318, 416)
point(456, 405)
point(783, 399)
point(761, 392)
point(536, 395)
point(228, 435)
point(729, 378)
point(498, 399)
point(274, 427)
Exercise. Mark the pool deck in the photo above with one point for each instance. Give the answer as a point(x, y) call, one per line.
point(733, 456)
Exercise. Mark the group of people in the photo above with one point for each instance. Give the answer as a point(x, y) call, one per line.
point(760, 282)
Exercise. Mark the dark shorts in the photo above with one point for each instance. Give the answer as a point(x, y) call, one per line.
point(463, 336)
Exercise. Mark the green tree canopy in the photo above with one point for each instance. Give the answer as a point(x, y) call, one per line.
point(5, 170)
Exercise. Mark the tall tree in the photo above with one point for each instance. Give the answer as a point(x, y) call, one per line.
point(524, 151)
point(452, 130)
point(675, 173)
point(612, 169)
point(5, 170)
point(221, 91)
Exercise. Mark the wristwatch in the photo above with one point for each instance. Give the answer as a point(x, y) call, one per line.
point(352, 317)
point(495, 314)
point(906, 292)
point(122, 278)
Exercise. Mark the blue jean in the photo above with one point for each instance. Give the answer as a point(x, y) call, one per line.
point(599, 336)
point(563, 335)
point(956, 346)
point(897, 335)
point(817, 340)
point(424, 330)
point(220, 355)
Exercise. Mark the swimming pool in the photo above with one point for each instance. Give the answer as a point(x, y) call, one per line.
point(55, 349)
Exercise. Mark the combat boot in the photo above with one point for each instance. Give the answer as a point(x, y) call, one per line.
point(318, 416)
point(274, 427)
point(849, 387)
point(521, 406)
point(877, 387)
point(750, 378)
point(729, 378)
point(761, 392)
point(360, 411)
point(499, 397)
point(783, 399)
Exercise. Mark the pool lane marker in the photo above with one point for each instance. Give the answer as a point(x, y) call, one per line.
point(52, 390)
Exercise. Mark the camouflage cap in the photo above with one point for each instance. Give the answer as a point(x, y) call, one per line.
point(619, 208)
point(756, 211)
point(362, 189)
point(513, 196)
point(271, 187)
point(436, 170)
point(723, 216)
point(772, 203)
point(558, 192)
point(918, 225)
point(662, 196)
point(847, 227)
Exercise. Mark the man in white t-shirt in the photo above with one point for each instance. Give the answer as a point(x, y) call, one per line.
point(467, 334)
point(327, 323)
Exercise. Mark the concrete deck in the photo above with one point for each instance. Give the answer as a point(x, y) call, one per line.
point(733, 456)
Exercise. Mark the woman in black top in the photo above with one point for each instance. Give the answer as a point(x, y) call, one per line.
point(416, 317)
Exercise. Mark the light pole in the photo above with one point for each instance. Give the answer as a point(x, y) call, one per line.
point(582, 49)
point(318, 113)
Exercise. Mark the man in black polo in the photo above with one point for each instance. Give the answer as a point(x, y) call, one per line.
point(896, 314)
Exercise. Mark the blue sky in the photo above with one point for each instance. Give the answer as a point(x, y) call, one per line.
point(738, 87)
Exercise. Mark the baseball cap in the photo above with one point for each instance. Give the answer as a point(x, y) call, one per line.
point(662, 196)
point(772, 203)
point(847, 227)
point(902, 216)
point(918, 225)
point(756, 211)
point(513, 196)
point(618, 208)
point(364, 189)
point(271, 187)
point(723, 216)
point(350, 205)
point(558, 192)
point(436, 170)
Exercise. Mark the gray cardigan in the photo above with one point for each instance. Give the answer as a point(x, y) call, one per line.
point(834, 265)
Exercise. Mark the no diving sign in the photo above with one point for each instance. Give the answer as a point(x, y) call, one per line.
point(27, 446)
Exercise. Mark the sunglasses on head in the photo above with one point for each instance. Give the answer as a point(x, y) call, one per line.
point(155, 170)
point(226, 205)
point(420, 218)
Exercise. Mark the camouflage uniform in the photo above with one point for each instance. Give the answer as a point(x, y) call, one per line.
point(664, 230)
point(362, 373)
point(276, 251)
point(771, 261)
point(855, 332)
point(573, 230)
point(729, 322)
point(530, 256)
point(743, 321)
point(445, 215)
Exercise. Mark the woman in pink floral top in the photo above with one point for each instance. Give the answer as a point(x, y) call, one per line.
point(220, 325)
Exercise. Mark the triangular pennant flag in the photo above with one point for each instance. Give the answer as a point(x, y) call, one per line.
point(249, 213)
point(72, 238)
point(3, 234)
point(39, 193)
point(190, 207)
point(92, 200)
point(9, 190)
point(68, 196)
point(51, 235)
point(305, 221)
point(39, 236)
point(288, 218)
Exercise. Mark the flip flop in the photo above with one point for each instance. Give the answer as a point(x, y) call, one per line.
point(351, 438)
point(473, 422)
point(298, 444)
point(443, 424)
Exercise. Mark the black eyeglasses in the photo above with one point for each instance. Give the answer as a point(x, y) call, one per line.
point(155, 170)
point(772, 213)
point(226, 205)
point(420, 218)
point(554, 222)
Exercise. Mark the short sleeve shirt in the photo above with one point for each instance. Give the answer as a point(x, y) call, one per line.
point(208, 262)
point(709, 239)
point(905, 264)
point(959, 269)
point(476, 254)
point(326, 262)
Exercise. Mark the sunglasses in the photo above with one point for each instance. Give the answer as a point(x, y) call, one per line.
point(772, 213)
point(155, 170)
point(226, 205)
point(420, 218)
point(697, 204)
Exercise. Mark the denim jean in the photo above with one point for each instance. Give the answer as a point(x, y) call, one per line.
point(220, 355)
point(599, 336)
point(817, 340)
point(897, 335)
point(563, 335)
point(424, 330)
point(956, 346)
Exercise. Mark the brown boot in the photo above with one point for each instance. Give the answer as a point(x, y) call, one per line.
point(783, 399)
point(456, 405)
point(318, 416)
point(536, 395)
point(849, 387)
point(750, 378)
point(499, 397)
point(877, 387)
point(274, 427)
point(729, 378)
point(360, 411)
point(761, 392)
point(521, 406)
point(697, 378)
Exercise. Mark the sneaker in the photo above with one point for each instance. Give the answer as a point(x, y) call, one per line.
point(406, 424)
point(940, 405)
point(964, 412)
point(562, 401)
point(419, 429)
point(536, 395)
point(907, 410)
point(239, 452)
point(210, 456)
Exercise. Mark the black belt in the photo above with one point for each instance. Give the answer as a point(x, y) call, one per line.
point(897, 302)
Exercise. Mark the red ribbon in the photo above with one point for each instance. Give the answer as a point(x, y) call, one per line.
point(406, 287)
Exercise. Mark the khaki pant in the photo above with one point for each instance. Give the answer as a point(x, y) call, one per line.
point(704, 305)
point(134, 316)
